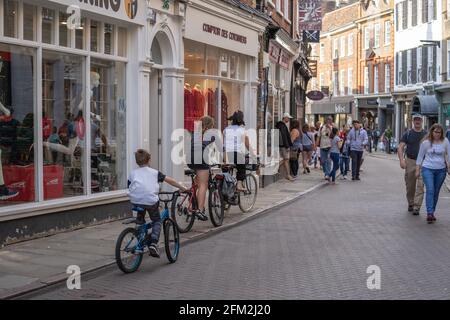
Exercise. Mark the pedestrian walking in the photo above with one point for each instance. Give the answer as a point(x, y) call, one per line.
point(296, 149)
point(376, 138)
point(325, 146)
point(433, 160)
point(345, 156)
point(335, 153)
point(285, 144)
point(308, 147)
point(358, 140)
point(408, 151)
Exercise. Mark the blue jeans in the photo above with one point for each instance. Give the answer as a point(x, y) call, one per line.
point(325, 161)
point(345, 164)
point(335, 159)
point(433, 180)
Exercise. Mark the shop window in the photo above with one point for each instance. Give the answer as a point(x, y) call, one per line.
point(242, 75)
point(224, 65)
point(29, 22)
point(123, 42)
point(17, 92)
point(63, 124)
point(48, 22)
point(10, 18)
point(232, 99)
point(156, 52)
point(79, 35)
point(212, 61)
point(234, 65)
point(109, 38)
point(194, 57)
point(108, 126)
point(201, 97)
point(94, 35)
point(64, 31)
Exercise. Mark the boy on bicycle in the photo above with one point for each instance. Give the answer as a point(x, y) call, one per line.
point(143, 189)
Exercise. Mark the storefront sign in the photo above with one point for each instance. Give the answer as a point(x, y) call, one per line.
point(315, 95)
point(310, 14)
point(215, 30)
point(127, 10)
point(274, 52)
point(341, 108)
point(284, 59)
point(224, 33)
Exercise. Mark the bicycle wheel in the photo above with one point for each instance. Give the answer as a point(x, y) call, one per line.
point(247, 198)
point(183, 218)
point(171, 240)
point(216, 206)
point(126, 259)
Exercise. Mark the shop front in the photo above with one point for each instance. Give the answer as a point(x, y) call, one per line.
point(339, 108)
point(376, 112)
point(64, 96)
point(220, 58)
point(428, 106)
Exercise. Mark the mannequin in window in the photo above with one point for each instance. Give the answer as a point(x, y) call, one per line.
point(5, 117)
point(189, 106)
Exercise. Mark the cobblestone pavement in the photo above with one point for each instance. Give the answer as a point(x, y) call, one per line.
point(316, 248)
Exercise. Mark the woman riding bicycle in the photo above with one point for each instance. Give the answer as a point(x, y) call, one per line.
point(199, 165)
point(236, 142)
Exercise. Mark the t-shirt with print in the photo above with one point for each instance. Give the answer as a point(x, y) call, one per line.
point(412, 139)
point(325, 141)
point(143, 186)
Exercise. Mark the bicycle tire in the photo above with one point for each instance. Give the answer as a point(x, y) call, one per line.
point(249, 179)
point(119, 260)
point(171, 240)
point(216, 213)
point(182, 213)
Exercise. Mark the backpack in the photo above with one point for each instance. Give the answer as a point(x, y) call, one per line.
point(228, 186)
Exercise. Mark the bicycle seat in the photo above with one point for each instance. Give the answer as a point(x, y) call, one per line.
point(138, 209)
point(189, 172)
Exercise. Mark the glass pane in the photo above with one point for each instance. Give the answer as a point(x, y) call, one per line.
point(232, 99)
point(79, 35)
point(234, 61)
point(201, 97)
point(10, 18)
point(109, 38)
point(224, 65)
point(48, 20)
point(64, 32)
point(29, 22)
point(63, 125)
point(212, 61)
point(242, 67)
point(123, 42)
point(108, 126)
point(194, 57)
point(17, 91)
point(94, 35)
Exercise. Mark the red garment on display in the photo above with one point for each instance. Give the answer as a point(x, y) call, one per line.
point(212, 103)
point(21, 179)
point(189, 110)
point(199, 101)
point(224, 111)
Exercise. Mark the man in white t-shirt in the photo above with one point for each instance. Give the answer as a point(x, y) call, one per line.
point(143, 190)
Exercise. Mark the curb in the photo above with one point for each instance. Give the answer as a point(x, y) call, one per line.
point(59, 279)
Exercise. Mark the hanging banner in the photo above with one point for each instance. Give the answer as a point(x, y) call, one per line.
point(312, 64)
point(310, 15)
point(311, 36)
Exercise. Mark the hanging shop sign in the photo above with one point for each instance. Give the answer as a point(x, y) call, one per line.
point(278, 55)
point(312, 64)
point(315, 95)
point(310, 14)
point(312, 36)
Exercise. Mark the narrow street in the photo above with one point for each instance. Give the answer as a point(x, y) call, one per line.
point(316, 248)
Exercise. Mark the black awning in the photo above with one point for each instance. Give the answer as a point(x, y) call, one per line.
point(426, 105)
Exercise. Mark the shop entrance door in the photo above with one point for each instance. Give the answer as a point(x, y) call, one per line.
point(155, 117)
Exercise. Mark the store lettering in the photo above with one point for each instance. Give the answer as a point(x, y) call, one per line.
point(224, 33)
point(114, 4)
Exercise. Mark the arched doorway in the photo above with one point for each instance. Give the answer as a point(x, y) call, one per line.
point(162, 57)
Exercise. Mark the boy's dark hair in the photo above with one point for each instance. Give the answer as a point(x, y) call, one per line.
point(142, 157)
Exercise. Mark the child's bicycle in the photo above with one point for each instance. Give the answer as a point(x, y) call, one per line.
point(135, 239)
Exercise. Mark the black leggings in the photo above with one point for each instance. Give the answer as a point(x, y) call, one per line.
point(238, 159)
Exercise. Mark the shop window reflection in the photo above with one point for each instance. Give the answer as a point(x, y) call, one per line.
point(17, 91)
point(63, 124)
point(48, 20)
point(108, 126)
point(29, 22)
point(10, 18)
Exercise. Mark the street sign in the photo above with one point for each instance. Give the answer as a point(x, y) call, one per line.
point(315, 95)
point(312, 36)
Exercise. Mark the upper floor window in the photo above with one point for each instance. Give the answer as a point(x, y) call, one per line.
point(286, 9)
point(414, 12)
point(350, 44)
point(387, 33)
point(409, 66)
point(350, 81)
point(366, 80)
point(335, 49)
point(366, 37)
point(342, 46)
point(322, 52)
point(377, 35)
point(387, 78)
point(342, 83)
point(375, 79)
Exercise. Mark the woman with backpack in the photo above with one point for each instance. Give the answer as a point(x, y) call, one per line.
point(308, 147)
point(335, 153)
point(433, 160)
point(296, 149)
point(345, 155)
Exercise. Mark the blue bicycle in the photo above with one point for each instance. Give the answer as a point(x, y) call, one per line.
point(132, 242)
